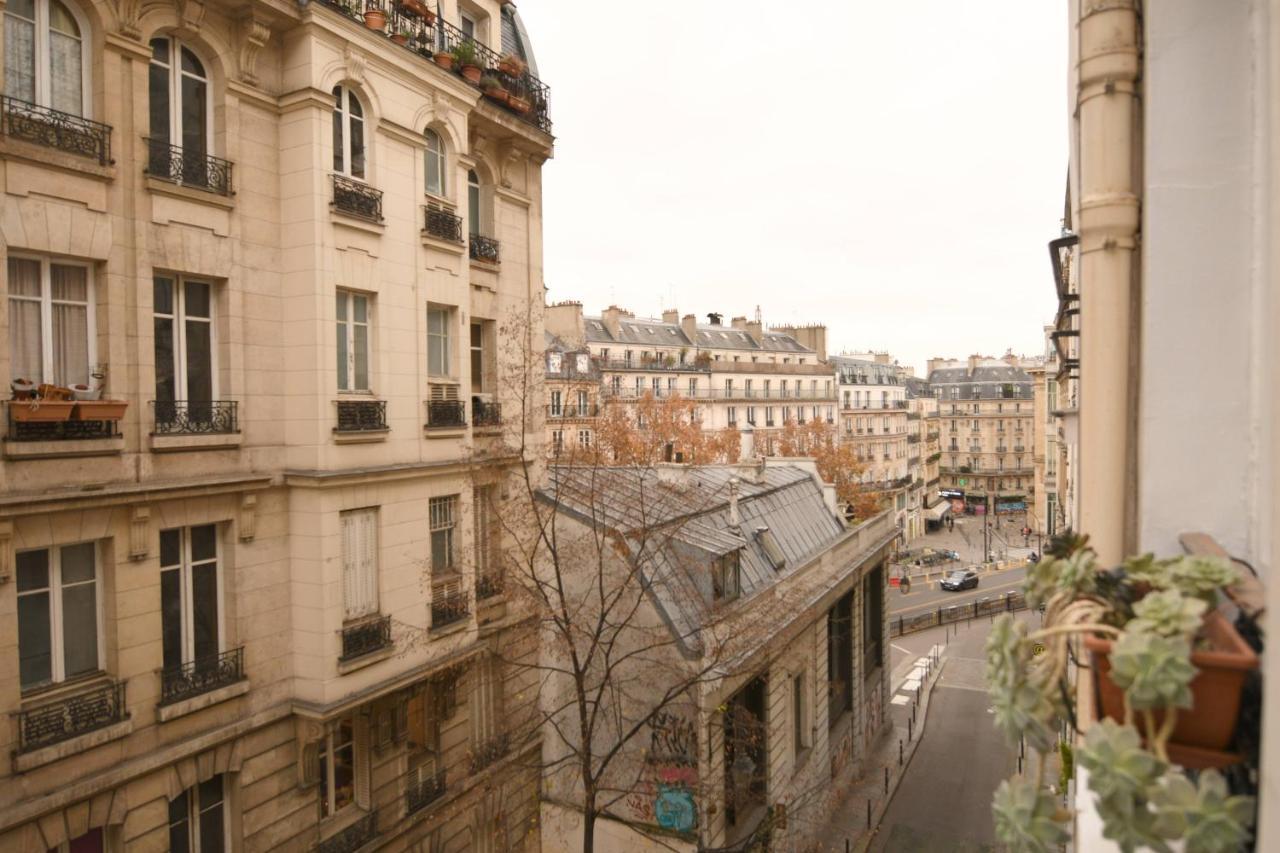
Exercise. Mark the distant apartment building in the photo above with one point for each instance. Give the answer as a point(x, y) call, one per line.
point(795, 695)
point(1046, 514)
point(572, 389)
point(740, 375)
point(986, 412)
point(250, 590)
point(874, 419)
point(926, 506)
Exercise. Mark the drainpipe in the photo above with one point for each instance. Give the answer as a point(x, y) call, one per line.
point(1108, 216)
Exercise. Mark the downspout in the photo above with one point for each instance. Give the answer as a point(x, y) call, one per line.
point(1109, 109)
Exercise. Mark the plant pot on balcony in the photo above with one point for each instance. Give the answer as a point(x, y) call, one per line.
point(1215, 691)
point(519, 104)
point(401, 39)
point(100, 410)
point(494, 92)
point(471, 73)
point(511, 65)
point(444, 59)
point(375, 19)
point(85, 392)
point(418, 9)
point(41, 411)
point(23, 389)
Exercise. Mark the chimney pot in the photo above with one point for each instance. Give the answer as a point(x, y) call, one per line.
point(734, 518)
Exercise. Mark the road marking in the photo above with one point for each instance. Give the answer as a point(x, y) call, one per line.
point(910, 684)
point(899, 700)
point(941, 603)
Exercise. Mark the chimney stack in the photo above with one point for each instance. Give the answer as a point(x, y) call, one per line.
point(689, 325)
point(671, 316)
point(739, 323)
point(734, 518)
point(973, 362)
point(611, 317)
point(714, 318)
point(564, 320)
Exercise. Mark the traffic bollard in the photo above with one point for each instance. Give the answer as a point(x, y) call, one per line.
point(900, 747)
point(846, 841)
point(886, 777)
point(910, 724)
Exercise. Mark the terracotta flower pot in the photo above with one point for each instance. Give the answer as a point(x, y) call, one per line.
point(416, 7)
point(400, 39)
point(1215, 691)
point(520, 105)
point(497, 93)
point(512, 66)
point(471, 73)
point(375, 19)
point(41, 411)
point(444, 60)
point(100, 410)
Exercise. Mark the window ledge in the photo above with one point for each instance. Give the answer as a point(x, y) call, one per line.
point(444, 432)
point(346, 666)
point(164, 713)
point(213, 441)
point(364, 436)
point(358, 223)
point(52, 158)
point(492, 266)
point(213, 199)
point(443, 245)
point(451, 628)
point(47, 755)
point(64, 448)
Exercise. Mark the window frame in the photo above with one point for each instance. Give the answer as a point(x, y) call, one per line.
point(348, 324)
point(447, 351)
point(57, 637)
point(327, 796)
point(179, 319)
point(42, 78)
point(175, 76)
point(194, 808)
point(440, 153)
point(46, 303)
point(726, 577)
point(440, 522)
point(185, 568)
point(356, 610)
point(343, 114)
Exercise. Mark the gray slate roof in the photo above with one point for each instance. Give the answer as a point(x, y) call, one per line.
point(643, 332)
point(987, 382)
point(861, 371)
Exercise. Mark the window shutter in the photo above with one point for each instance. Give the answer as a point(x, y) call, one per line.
point(309, 765)
point(361, 746)
point(400, 720)
point(349, 563)
point(369, 562)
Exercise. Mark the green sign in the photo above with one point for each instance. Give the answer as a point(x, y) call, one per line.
point(964, 481)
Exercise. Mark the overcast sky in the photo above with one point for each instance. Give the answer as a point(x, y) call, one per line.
point(894, 170)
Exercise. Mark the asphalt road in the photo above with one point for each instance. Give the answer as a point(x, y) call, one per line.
point(944, 800)
point(922, 598)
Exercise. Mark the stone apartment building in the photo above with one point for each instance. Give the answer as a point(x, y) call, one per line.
point(874, 419)
point(758, 582)
point(249, 596)
point(572, 388)
point(1045, 513)
point(986, 409)
point(740, 374)
point(927, 504)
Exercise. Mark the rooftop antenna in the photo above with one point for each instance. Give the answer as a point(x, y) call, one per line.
point(758, 320)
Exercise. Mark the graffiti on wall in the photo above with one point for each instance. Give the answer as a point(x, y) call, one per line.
point(873, 713)
point(664, 793)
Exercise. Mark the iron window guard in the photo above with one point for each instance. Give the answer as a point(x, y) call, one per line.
point(365, 637)
point(171, 163)
point(446, 414)
point(489, 584)
point(71, 716)
point(55, 129)
point(361, 416)
point(442, 224)
point(195, 417)
point(484, 249)
point(351, 838)
point(357, 198)
point(486, 414)
point(490, 751)
point(420, 794)
point(449, 607)
point(201, 676)
point(66, 430)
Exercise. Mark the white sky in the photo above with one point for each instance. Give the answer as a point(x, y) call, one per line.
point(892, 169)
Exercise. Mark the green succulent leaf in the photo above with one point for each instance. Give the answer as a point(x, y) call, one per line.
point(1076, 574)
point(1121, 773)
point(1205, 815)
point(1168, 614)
point(1153, 671)
point(1021, 704)
point(1201, 577)
point(1026, 817)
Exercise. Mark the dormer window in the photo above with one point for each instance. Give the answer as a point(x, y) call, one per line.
point(772, 550)
point(726, 576)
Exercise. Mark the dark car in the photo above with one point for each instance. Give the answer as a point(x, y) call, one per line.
point(960, 579)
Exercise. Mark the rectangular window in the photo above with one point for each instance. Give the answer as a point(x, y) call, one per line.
point(338, 768)
point(198, 819)
point(477, 358)
point(353, 341)
point(50, 321)
point(557, 404)
point(726, 577)
point(693, 387)
point(799, 722)
point(438, 322)
point(443, 516)
point(184, 349)
point(190, 595)
point(751, 415)
point(583, 404)
point(840, 659)
point(359, 562)
point(584, 438)
point(733, 415)
point(872, 620)
point(768, 416)
point(58, 622)
point(639, 386)
point(485, 510)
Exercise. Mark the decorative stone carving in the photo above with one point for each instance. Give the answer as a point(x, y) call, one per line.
point(127, 14)
point(140, 533)
point(6, 551)
point(191, 13)
point(254, 34)
point(356, 63)
point(507, 154)
point(248, 517)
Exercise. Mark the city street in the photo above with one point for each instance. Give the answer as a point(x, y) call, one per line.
point(966, 538)
point(921, 597)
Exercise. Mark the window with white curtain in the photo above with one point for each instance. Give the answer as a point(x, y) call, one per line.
point(50, 321)
point(474, 219)
point(353, 341)
point(58, 613)
point(44, 61)
point(359, 562)
point(439, 321)
point(348, 133)
point(435, 163)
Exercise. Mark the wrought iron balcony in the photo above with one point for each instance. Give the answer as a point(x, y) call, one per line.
point(55, 129)
point(353, 837)
point(170, 163)
point(195, 417)
point(356, 198)
point(485, 413)
point(72, 716)
point(67, 429)
point(418, 794)
point(442, 224)
point(484, 249)
point(365, 637)
point(573, 411)
point(361, 416)
point(200, 676)
point(446, 414)
point(489, 584)
point(490, 751)
point(913, 439)
point(448, 607)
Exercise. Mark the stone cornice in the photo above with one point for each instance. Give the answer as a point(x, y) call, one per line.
point(17, 504)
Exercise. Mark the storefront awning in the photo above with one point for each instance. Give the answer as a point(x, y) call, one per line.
point(938, 511)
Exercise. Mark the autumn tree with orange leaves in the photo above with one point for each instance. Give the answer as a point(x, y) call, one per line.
point(661, 430)
point(837, 462)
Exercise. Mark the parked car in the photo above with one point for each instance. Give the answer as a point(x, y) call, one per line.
point(960, 579)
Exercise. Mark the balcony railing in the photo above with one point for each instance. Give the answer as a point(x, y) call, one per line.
point(200, 676)
point(654, 364)
point(353, 837)
point(490, 751)
point(446, 414)
point(356, 198)
point(484, 249)
point(573, 411)
point(448, 607)
point(442, 224)
point(365, 637)
point(195, 417)
point(167, 162)
point(418, 794)
point(913, 439)
point(67, 718)
point(485, 413)
point(361, 416)
point(489, 584)
point(56, 430)
point(55, 129)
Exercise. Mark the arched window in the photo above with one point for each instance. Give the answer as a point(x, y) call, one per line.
point(473, 202)
point(198, 818)
point(435, 163)
point(348, 133)
point(44, 55)
point(179, 93)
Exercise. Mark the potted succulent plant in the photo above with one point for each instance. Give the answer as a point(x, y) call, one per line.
point(46, 403)
point(22, 388)
point(86, 392)
point(401, 36)
point(467, 59)
point(375, 18)
point(1158, 645)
